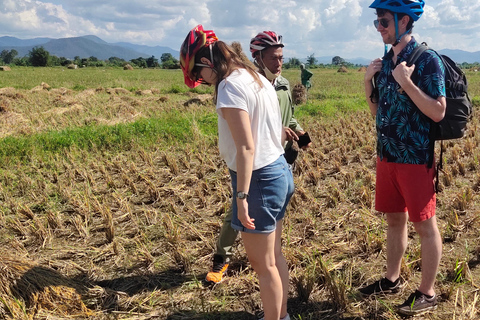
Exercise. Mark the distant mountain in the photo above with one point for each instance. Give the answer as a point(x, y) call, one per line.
point(156, 51)
point(84, 47)
point(95, 39)
point(93, 46)
point(460, 56)
point(323, 60)
point(22, 50)
point(15, 42)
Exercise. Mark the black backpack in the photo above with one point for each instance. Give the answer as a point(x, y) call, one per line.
point(459, 106)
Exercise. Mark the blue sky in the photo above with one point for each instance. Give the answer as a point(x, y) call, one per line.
point(320, 27)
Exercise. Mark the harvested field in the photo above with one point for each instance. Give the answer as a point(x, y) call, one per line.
point(126, 230)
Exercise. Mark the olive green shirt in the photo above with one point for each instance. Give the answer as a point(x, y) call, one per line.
point(282, 87)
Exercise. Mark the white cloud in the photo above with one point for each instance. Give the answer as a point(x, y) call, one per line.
point(322, 27)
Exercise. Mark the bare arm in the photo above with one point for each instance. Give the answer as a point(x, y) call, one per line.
point(432, 108)
point(239, 124)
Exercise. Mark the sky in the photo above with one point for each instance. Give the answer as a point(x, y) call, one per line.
point(321, 27)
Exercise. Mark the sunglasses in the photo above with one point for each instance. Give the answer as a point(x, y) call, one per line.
point(198, 78)
point(383, 22)
point(196, 72)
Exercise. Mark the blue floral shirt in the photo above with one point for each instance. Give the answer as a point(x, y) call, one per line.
point(402, 129)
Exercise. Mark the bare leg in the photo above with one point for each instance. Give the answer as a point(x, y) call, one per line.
point(396, 243)
point(431, 244)
point(282, 267)
point(261, 254)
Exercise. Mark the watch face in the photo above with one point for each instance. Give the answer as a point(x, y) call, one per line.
point(241, 195)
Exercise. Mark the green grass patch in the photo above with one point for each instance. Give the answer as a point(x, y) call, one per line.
point(175, 88)
point(329, 108)
point(173, 129)
point(80, 79)
point(79, 87)
point(208, 124)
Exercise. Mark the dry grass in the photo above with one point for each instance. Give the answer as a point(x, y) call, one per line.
point(299, 94)
point(27, 289)
point(130, 235)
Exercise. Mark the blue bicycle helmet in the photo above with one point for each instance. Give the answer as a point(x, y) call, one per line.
point(414, 8)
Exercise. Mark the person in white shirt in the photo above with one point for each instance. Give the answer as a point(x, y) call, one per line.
point(251, 139)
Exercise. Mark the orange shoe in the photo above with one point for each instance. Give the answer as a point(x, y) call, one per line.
point(219, 270)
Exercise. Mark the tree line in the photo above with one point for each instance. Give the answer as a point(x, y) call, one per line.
point(312, 63)
point(39, 57)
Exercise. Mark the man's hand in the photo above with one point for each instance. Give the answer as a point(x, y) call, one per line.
point(290, 134)
point(301, 133)
point(374, 67)
point(402, 74)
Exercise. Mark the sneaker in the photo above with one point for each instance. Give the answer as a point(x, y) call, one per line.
point(382, 286)
point(287, 317)
point(417, 303)
point(219, 270)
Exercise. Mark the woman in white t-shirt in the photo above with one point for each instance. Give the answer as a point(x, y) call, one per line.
point(250, 141)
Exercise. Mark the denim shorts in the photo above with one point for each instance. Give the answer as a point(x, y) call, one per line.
point(271, 188)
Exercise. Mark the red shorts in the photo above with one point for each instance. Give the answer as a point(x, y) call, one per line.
point(405, 188)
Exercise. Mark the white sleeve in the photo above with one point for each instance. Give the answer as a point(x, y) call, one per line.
point(231, 95)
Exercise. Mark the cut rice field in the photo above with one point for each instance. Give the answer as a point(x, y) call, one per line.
point(112, 195)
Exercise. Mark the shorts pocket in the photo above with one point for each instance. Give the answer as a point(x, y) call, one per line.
point(272, 187)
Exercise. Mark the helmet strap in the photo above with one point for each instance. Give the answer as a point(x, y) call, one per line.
point(210, 64)
point(211, 56)
point(398, 37)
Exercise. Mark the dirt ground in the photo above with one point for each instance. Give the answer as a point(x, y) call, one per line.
point(131, 235)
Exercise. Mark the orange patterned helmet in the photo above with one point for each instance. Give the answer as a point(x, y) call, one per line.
point(196, 39)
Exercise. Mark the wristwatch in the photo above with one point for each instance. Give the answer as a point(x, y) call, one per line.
point(242, 195)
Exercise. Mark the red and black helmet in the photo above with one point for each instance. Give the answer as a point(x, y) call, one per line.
point(263, 40)
point(196, 39)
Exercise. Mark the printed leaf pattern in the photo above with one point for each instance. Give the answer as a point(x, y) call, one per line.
point(402, 129)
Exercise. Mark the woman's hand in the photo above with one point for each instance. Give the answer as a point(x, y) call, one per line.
point(242, 213)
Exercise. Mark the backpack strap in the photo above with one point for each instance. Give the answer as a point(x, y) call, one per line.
point(375, 94)
point(416, 53)
point(439, 168)
point(412, 59)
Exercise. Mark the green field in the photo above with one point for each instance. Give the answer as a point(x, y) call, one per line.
point(112, 194)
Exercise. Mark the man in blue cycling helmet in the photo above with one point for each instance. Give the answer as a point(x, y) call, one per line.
point(409, 98)
point(399, 9)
